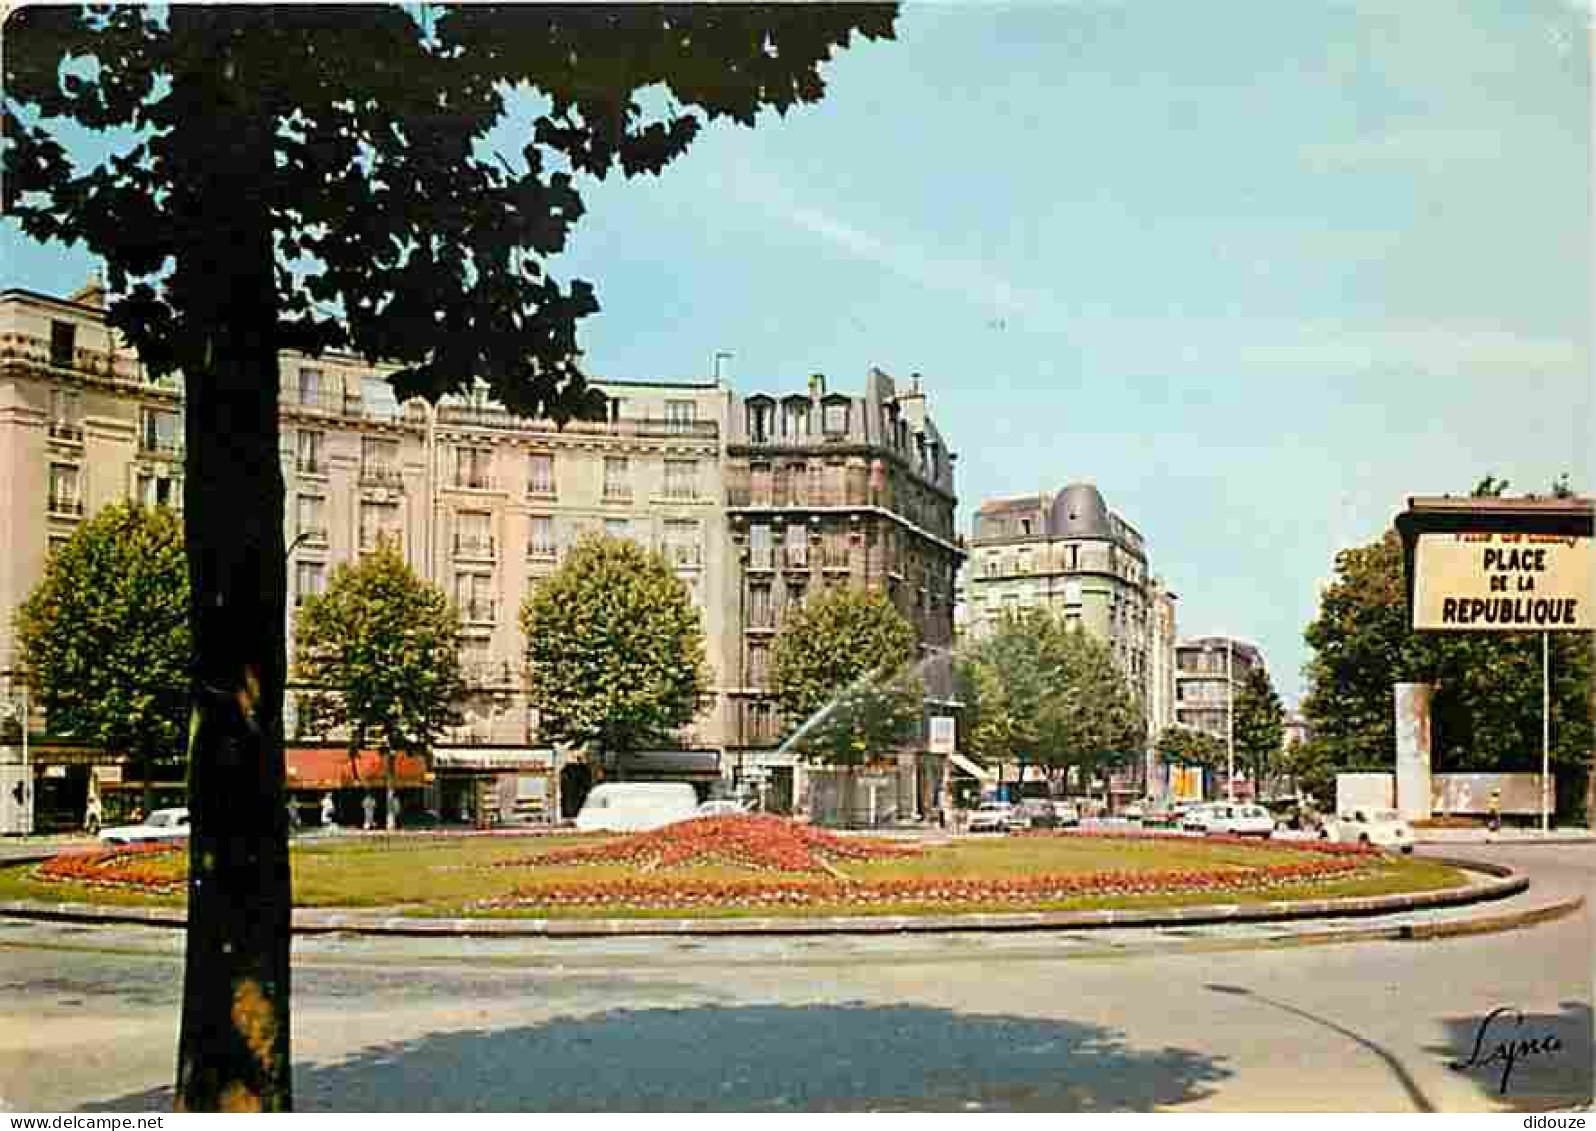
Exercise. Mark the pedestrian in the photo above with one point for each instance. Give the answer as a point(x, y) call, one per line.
point(293, 817)
point(1496, 810)
point(369, 807)
point(327, 810)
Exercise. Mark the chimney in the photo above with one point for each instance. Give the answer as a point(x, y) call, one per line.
point(91, 293)
point(817, 385)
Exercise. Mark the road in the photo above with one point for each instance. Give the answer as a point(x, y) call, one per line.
point(999, 1022)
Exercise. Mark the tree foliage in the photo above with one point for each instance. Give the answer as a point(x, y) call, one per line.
point(1045, 694)
point(840, 669)
point(104, 636)
point(1486, 710)
point(1259, 727)
point(309, 176)
point(1190, 747)
point(380, 651)
point(614, 647)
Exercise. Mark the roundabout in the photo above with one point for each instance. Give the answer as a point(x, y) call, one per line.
point(766, 875)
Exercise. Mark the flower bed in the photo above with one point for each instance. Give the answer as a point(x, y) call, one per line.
point(135, 866)
point(758, 842)
point(1322, 862)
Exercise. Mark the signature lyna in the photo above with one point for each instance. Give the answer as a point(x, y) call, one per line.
point(1499, 1041)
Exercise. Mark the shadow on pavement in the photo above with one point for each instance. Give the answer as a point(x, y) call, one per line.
point(756, 1058)
point(1531, 1061)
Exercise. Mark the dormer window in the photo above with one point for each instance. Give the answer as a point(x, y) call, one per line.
point(795, 418)
point(761, 413)
point(835, 416)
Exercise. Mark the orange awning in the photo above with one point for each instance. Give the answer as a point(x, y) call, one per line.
point(321, 767)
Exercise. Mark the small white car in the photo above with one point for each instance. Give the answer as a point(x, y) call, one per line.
point(1197, 818)
point(997, 817)
point(163, 824)
point(1240, 820)
point(720, 807)
point(1383, 828)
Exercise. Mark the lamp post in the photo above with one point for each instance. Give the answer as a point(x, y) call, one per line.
point(1230, 723)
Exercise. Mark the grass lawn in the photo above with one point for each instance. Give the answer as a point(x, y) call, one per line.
point(446, 876)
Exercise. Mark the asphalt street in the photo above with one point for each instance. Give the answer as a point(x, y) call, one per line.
point(1079, 1021)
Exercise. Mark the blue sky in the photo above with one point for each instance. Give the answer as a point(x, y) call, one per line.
point(1259, 271)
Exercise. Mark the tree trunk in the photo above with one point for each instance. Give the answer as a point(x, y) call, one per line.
point(233, 1045)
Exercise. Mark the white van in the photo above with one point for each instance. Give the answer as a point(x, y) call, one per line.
point(635, 806)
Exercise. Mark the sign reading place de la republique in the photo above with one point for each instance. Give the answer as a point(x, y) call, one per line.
point(1498, 564)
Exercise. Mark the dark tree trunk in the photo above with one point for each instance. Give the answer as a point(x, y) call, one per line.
point(233, 1047)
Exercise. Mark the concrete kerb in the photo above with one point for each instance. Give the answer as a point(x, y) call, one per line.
point(1503, 883)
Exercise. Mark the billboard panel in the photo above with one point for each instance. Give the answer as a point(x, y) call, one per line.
point(1506, 582)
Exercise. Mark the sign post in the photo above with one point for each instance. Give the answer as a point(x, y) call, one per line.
point(1502, 565)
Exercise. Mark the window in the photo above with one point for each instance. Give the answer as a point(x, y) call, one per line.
point(64, 494)
point(379, 460)
point(1072, 558)
point(759, 547)
point(310, 387)
point(473, 468)
point(158, 490)
point(379, 522)
point(617, 478)
point(760, 611)
point(473, 534)
point(58, 543)
point(473, 595)
point(1072, 592)
point(795, 420)
point(66, 414)
point(680, 416)
point(540, 474)
point(310, 458)
point(617, 409)
point(312, 519)
point(759, 421)
point(681, 479)
point(758, 663)
point(835, 418)
point(761, 723)
point(159, 432)
point(63, 344)
point(617, 528)
point(310, 580)
point(682, 543)
point(796, 551)
point(540, 537)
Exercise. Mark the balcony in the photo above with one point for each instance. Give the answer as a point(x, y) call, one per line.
point(479, 612)
point(168, 447)
point(65, 507)
point(541, 489)
point(489, 416)
point(833, 558)
point(66, 433)
point(310, 465)
point(546, 551)
point(762, 560)
point(617, 494)
point(371, 539)
point(312, 535)
point(681, 492)
point(769, 498)
point(473, 546)
point(381, 475)
point(474, 481)
point(684, 554)
point(795, 557)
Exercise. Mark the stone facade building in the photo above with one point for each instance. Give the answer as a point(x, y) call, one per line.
point(823, 489)
point(1209, 672)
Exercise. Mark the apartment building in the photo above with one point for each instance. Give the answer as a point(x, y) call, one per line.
point(481, 502)
point(1209, 672)
point(825, 488)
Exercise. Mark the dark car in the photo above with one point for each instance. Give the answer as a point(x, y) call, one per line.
point(1039, 812)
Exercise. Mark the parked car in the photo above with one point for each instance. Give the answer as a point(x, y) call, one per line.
point(1166, 816)
point(1239, 820)
point(1039, 813)
point(720, 807)
point(636, 806)
point(1294, 813)
point(1196, 818)
point(996, 817)
point(163, 824)
point(1066, 814)
point(1383, 828)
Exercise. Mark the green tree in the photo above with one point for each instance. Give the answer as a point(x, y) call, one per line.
point(840, 672)
point(1044, 694)
point(1486, 710)
point(1191, 747)
point(104, 637)
point(614, 647)
point(380, 653)
point(311, 176)
point(1259, 727)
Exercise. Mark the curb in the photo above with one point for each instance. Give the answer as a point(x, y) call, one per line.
point(1505, 882)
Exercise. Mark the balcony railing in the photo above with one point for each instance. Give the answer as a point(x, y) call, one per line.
point(487, 416)
point(616, 493)
point(769, 497)
point(160, 446)
point(315, 535)
point(681, 491)
point(831, 558)
point(371, 539)
point(543, 488)
point(546, 550)
point(683, 554)
point(795, 557)
point(762, 559)
point(480, 612)
point(310, 465)
point(66, 506)
point(474, 481)
point(381, 475)
point(69, 433)
point(473, 545)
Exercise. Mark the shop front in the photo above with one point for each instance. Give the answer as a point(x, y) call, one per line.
point(323, 778)
point(484, 786)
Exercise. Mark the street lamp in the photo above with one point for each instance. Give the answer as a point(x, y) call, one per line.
point(1230, 722)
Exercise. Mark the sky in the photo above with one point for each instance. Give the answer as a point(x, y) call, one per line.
point(1258, 271)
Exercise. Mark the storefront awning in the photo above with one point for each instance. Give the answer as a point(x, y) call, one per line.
point(331, 768)
point(494, 759)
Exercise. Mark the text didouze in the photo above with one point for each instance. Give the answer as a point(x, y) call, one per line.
point(1511, 582)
